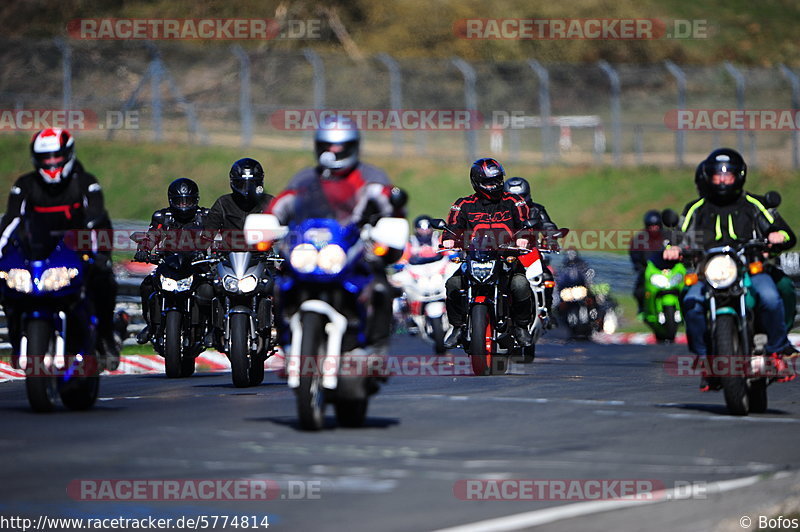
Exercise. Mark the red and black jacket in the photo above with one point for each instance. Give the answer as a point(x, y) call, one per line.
point(493, 222)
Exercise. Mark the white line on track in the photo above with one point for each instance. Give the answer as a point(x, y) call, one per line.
point(568, 511)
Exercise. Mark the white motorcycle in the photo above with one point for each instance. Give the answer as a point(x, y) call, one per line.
point(423, 283)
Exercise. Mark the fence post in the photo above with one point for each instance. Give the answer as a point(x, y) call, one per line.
point(739, 78)
point(471, 103)
point(319, 77)
point(795, 83)
point(616, 119)
point(544, 108)
point(680, 134)
point(395, 96)
point(245, 100)
point(66, 69)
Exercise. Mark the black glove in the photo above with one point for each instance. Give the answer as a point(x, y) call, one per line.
point(141, 256)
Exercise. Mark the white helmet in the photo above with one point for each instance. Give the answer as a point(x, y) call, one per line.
point(53, 154)
point(336, 143)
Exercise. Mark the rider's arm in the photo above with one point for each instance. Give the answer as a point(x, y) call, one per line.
point(457, 222)
point(780, 226)
point(16, 200)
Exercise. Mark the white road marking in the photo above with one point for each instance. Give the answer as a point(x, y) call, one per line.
point(568, 511)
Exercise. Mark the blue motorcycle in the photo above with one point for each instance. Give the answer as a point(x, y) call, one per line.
point(44, 282)
point(328, 321)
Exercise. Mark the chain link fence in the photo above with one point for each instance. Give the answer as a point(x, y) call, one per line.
point(523, 111)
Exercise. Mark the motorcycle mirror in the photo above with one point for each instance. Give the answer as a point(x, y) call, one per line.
point(772, 199)
point(669, 218)
point(438, 223)
point(398, 197)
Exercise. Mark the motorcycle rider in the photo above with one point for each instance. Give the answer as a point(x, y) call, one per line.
point(424, 242)
point(64, 196)
point(520, 186)
point(643, 244)
point(183, 214)
point(490, 212)
point(716, 219)
point(247, 196)
point(342, 187)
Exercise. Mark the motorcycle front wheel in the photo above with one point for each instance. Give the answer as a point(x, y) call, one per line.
point(40, 386)
point(481, 340)
point(310, 396)
point(727, 343)
point(239, 352)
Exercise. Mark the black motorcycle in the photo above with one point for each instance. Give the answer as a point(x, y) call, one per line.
point(242, 312)
point(178, 320)
point(487, 268)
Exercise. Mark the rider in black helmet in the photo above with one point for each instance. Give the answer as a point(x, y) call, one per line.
point(643, 245)
point(183, 214)
point(247, 197)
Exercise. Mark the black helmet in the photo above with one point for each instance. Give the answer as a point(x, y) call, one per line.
point(486, 176)
point(423, 228)
point(652, 218)
point(721, 161)
point(183, 195)
point(336, 144)
point(518, 186)
point(247, 179)
point(699, 180)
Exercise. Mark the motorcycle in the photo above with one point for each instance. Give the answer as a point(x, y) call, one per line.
point(45, 282)
point(732, 322)
point(663, 284)
point(178, 321)
point(325, 275)
point(422, 281)
point(584, 307)
point(241, 313)
point(489, 342)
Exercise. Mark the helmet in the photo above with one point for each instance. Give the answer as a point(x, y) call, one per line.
point(486, 176)
point(422, 227)
point(247, 179)
point(652, 218)
point(519, 186)
point(572, 255)
point(723, 161)
point(53, 153)
point(336, 144)
point(183, 195)
point(699, 180)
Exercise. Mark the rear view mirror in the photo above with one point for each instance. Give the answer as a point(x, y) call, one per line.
point(772, 199)
point(438, 223)
point(669, 218)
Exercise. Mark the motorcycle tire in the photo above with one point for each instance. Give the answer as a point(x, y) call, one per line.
point(173, 344)
point(41, 389)
point(310, 395)
point(727, 343)
point(240, 350)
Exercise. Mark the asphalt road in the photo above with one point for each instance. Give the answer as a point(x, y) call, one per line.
point(580, 412)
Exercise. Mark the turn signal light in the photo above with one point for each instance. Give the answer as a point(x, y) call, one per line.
point(263, 246)
point(756, 267)
point(380, 250)
point(549, 284)
point(690, 279)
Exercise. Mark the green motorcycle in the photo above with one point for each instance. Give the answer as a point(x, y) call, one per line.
point(663, 284)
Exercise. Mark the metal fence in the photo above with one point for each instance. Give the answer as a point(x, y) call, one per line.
point(545, 113)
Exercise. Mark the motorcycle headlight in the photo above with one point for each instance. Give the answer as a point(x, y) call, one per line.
point(659, 280)
point(721, 271)
point(573, 293)
point(230, 283)
point(19, 280)
point(481, 270)
point(53, 279)
point(676, 279)
point(176, 285)
point(248, 284)
point(331, 258)
point(303, 258)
